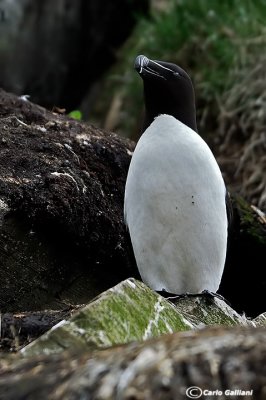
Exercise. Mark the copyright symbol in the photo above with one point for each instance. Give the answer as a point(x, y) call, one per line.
point(194, 392)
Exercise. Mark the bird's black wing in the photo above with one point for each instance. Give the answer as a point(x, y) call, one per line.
point(229, 210)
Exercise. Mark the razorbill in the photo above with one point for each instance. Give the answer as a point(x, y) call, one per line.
point(174, 202)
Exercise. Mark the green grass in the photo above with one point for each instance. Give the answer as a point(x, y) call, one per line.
point(208, 38)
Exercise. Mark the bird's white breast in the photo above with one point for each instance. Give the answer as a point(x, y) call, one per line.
point(175, 209)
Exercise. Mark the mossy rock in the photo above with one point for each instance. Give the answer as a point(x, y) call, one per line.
point(128, 312)
point(244, 279)
point(252, 220)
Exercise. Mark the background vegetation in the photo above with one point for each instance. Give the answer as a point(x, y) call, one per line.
point(222, 46)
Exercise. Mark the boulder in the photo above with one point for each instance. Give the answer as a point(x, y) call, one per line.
point(62, 235)
point(131, 312)
point(209, 362)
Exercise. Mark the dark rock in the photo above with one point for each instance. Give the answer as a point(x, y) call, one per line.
point(62, 235)
point(54, 51)
point(20, 329)
point(244, 280)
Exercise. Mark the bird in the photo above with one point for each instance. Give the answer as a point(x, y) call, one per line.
point(175, 195)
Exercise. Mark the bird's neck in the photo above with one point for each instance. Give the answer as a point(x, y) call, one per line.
point(183, 109)
point(187, 117)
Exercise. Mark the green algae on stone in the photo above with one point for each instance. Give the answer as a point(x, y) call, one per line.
point(249, 221)
point(204, 310)
point(131, 311)
point(127, 312)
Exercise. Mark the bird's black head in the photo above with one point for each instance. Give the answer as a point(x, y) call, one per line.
point(167, 90)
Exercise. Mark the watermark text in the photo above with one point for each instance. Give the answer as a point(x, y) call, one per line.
point(195, 392)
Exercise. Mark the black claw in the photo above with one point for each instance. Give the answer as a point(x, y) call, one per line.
point(172, 296)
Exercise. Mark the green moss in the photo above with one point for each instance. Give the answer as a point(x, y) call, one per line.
point(207, 311)
point(208, 38)
point(126, 315)
point(249, 221)
point(130, 311)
